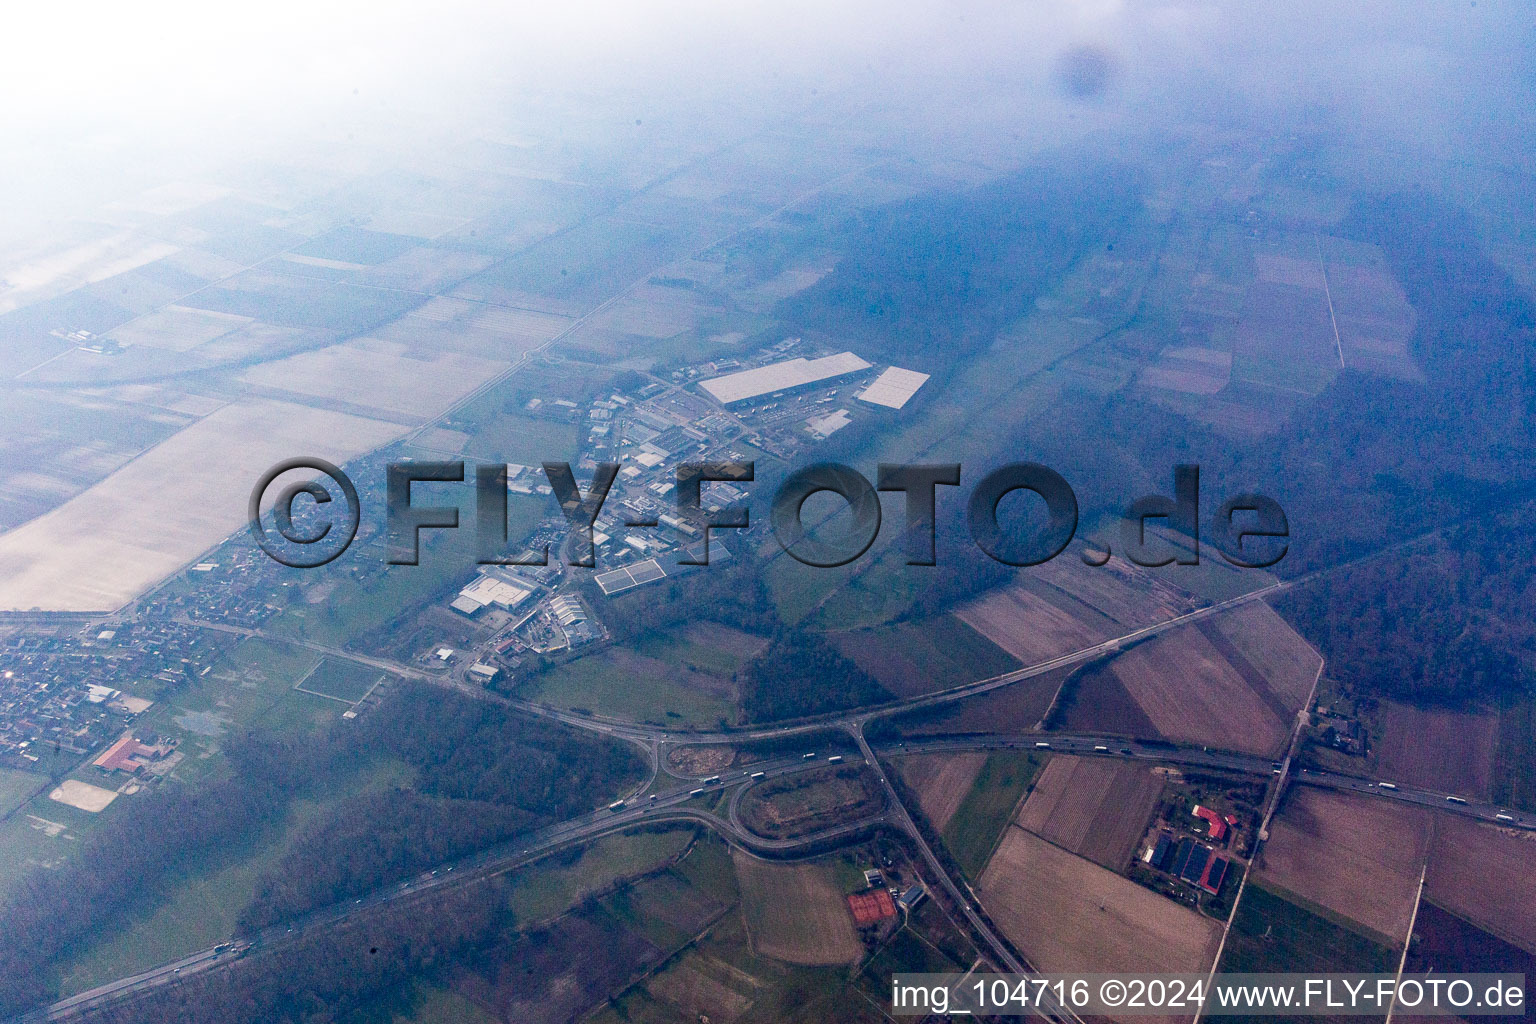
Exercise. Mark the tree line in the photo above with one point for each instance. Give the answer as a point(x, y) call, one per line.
point(482, 773)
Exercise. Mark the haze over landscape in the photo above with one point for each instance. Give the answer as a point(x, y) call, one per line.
point(1293, 248)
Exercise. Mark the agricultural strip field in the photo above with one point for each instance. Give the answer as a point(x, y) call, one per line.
point(1445, 943)
point(380, 375)
point(554, 975)
point(1437, 749)
point(1485, 875)
point(722, 976)
point(1093, 807)
point(1233, 683)
point(1358, 857)
point(575, 951)
point(1064, 606)
point(911, 658)
point(973, 829)
point(1017, 707)
point(108, 544)
point(1271, 932)
point(1515, 756)
point(795, 912)
point(940, 781)
point(1068, 914)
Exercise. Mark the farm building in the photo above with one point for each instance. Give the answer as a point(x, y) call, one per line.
point(1215, 873)
point(1157, 856)
point(1217, 822)
point(871, 907)
point(1194, 870)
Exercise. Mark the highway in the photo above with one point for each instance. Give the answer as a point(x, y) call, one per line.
point(677, 803)
point(836, 720)
point(673, 802)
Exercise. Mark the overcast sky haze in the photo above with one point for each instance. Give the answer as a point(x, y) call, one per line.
point(104, 95)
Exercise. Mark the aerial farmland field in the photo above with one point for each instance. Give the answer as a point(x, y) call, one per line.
point(1067, 913)
point(1358, 857)
point(795, 912)
point(1093, 807)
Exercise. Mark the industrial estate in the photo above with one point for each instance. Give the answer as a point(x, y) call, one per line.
point(623, 785)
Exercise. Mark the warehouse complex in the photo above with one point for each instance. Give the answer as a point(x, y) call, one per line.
point(746, 385)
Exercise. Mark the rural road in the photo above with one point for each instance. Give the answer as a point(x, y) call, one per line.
point(670, 805)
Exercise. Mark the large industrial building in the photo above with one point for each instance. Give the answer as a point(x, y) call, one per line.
point(894, 388)
point(791, 373)
point(488, 590)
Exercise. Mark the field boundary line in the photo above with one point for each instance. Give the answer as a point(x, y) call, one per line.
point(1408, 939)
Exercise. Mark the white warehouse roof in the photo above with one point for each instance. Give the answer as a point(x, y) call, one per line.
point(489, 590)
point(894, 388)
point(792, 373)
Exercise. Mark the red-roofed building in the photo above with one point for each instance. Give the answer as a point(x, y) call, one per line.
point(129, 755)
point(1215, 873)
point(1217, 823)
point(871, 907)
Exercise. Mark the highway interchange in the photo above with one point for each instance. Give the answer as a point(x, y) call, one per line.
point(668, 795)
point(677, 798)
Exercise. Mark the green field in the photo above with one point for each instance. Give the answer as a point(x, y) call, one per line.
point(641, 687)
point(680, 674)
point(500, 429)
point(552, 886)
point(252, 686)
point(17, 787)
point(25, 841)
point(1273, 933)
point(198, 908)
point(346, 681)
point(355, 606)
point(911, 658)
point(442, 1006)
point(1514, 769)
point(973, 832)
